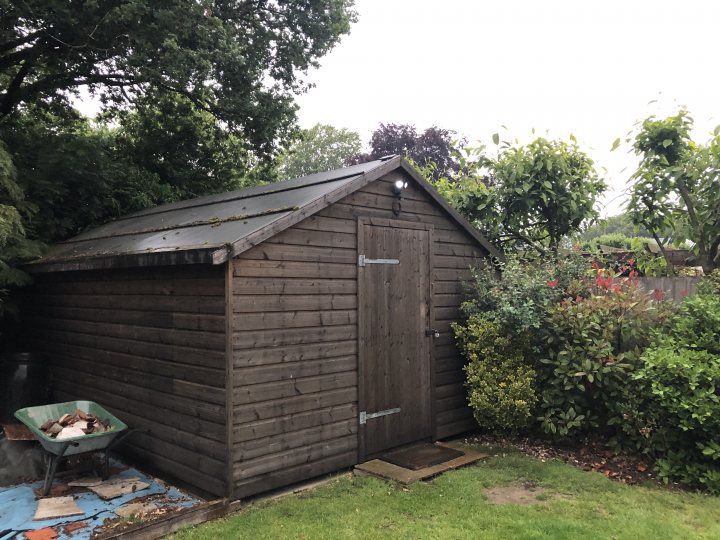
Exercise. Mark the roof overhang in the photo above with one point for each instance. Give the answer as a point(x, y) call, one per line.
point(126, 260)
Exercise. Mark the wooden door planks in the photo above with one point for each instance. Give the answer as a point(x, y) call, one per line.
point(394, 307)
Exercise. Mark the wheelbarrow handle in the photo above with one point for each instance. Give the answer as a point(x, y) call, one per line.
point(122, 436)
point(65, 446)
point(117, 440)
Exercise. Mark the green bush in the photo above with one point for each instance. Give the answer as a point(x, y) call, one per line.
point(649, 264)
point(677, 420)
point(501, 385)
point(518, 297)
point(696, 325)
point(593, 347)
point(683, 418)
point(506, 315)
point(616, 240)
point(710, 284)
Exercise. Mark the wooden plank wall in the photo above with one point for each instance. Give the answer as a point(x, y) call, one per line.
point(149, 344)
point(295, 339)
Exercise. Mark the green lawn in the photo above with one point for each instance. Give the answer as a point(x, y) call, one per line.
point(575, 504)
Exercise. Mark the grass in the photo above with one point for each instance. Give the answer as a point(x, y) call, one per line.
point(575, 504)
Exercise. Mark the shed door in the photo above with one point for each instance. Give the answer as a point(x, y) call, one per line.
point(394, 317)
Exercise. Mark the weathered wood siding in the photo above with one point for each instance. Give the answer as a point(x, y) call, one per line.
point(295, 338)
point(149, 344)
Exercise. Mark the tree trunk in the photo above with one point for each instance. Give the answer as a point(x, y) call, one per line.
point(671, 268)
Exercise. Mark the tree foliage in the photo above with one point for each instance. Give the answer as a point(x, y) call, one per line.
point(13, 243)
point(80, 174)
point(320, 148)
point(675, 186)
point(433, 149)
point(185, 147)
point(238, 60)
point(531, 196)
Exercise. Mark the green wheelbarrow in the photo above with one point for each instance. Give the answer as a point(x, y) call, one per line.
point(34, 417)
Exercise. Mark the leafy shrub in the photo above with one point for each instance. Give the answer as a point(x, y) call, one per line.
point(501, 385)
point(616, 240)
point(593, 347)
point(678, 419)
point(518, 299)
point(501, 339)
point(697, 324)
point(683, 421)
point(649, 264)
point(710, 284)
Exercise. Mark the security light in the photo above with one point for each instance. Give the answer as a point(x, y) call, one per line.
point(398, 186)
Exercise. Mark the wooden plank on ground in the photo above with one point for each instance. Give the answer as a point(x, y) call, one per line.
point(170, 523)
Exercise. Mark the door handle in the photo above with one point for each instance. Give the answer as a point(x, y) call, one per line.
point(431, 332)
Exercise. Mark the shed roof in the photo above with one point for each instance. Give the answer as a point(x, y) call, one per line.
point(217, 227)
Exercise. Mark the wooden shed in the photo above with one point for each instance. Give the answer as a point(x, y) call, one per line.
point(269, 335)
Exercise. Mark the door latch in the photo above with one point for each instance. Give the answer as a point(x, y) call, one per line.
point(431, 332)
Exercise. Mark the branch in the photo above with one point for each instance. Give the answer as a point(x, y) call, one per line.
point(690, 206)
point(13, 43)
point(10, 96)
point(714, 252)
point(527, 240)
point(56, 82)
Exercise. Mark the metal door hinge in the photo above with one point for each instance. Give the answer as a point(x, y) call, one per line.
point(365, 416)
point(362, 261)
point(431, 332)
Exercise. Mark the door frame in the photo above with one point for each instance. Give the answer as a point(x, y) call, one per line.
point(394, 224)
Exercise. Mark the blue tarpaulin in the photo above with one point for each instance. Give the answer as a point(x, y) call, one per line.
point(19, 503)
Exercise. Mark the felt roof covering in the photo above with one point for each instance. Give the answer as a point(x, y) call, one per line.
point(214, 228)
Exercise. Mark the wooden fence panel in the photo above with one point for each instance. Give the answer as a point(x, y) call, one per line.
point(676, 288)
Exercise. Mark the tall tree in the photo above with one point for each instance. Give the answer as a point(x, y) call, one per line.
point(676, 186)
point(531, 196)
point(236, 59)
point(185, 147)
point(75, 174)
point(13, 243)
point(434, 147)
point(320, 148)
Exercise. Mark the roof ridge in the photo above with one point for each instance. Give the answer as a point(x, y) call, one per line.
point(243, 193)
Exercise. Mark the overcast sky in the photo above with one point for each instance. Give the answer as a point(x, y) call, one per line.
point(588, 68)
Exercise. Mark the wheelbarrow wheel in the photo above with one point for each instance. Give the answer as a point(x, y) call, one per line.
point(100, 465)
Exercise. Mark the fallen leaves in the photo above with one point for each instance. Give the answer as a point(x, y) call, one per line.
point(591, 456)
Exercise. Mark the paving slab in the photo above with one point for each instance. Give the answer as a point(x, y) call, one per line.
point(56, 507)
point(88, 481)
point(383, 469)
point(111, 489)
